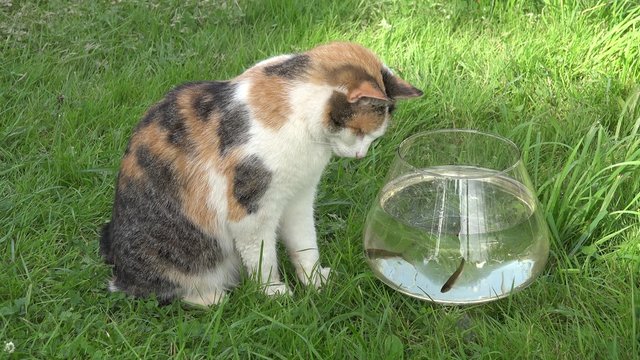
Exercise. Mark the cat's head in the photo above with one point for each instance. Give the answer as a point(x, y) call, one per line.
point(365, 95)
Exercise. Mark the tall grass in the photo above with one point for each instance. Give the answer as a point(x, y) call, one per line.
point(589, 187)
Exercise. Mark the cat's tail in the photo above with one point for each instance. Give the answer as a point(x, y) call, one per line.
point(105, 244)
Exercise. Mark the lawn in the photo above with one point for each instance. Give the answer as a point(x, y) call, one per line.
point(559, 78)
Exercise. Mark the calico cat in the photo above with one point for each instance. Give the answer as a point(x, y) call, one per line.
point(217, 170)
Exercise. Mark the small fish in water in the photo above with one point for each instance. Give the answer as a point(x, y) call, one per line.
point(381, 253)
point(452, 279)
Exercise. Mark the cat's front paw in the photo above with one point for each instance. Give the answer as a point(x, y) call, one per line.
point(319, 276)
point(276, 289)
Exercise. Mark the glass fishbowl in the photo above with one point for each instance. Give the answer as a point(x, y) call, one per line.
point(457, 221)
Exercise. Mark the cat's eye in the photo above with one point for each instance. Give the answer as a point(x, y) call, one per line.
point(384, 108)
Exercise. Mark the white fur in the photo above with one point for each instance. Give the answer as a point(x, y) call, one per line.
point(296, 157)
point(112, 286)
point(273, 60)
point(210, 287)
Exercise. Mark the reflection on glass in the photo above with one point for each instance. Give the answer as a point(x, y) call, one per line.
point(457, 221)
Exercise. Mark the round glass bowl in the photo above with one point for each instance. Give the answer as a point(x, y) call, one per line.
point(457, 221)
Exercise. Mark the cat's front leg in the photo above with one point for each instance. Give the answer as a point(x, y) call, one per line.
point(255, 241)
point(299, 236)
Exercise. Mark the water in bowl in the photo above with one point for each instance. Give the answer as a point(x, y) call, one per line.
point(456, 235)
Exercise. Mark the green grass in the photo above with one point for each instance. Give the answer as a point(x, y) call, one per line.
point(560, 78)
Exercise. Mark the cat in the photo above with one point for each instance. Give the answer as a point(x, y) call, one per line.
point(216, 171)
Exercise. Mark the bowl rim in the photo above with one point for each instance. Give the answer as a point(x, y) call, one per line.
point(494, 173)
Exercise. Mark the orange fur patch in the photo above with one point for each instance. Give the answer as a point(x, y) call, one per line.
point(204, 135)
point(366, 123)
point(205, 140)
point(268, 100)
point(194, 200)
point(155, 138)
point(333, 56)
point(130, 168)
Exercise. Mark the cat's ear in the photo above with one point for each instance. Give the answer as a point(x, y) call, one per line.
point(398, 88)
point(366, 90)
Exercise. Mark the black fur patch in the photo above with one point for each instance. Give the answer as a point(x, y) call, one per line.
point(233, 129)
point(341, 111)
point(392, 108)
point(170, 118)
point(290, 68)
point(380, 110)
point(214, 95)
point(204, 106)
point(105, 244)
point(159, 172)
point(394, 89)
point(150, 116)
point(217, 96)
point(250, 182)
point(178, 136)
point(167, 114)
point(390, 84)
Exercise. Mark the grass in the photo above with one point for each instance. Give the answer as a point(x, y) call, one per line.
point(557, 77)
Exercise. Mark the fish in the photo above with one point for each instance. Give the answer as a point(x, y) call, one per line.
point(381, 253)
point(452, 279)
